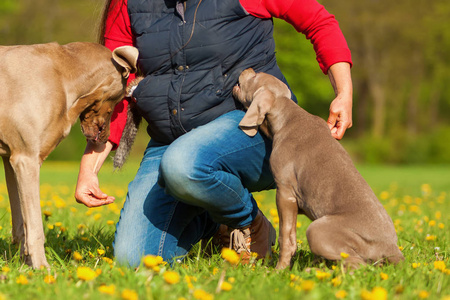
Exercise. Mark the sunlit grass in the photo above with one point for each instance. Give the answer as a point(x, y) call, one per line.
point(79, 248)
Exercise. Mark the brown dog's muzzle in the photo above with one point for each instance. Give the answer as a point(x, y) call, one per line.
point(95, 124)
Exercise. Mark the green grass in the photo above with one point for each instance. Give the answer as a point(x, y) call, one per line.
point(416, 197)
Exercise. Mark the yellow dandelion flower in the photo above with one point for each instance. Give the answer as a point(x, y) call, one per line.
point(441, 225)
point(100, 252)
point(86, 273)
point(230, 255)
point(110, 222)
point(322, 275)
point(341, 294)
point(414, 209)
point(299, 224)
point(107, 260)
point(384, 195)
point(366, 295)
point(415, 265)
point(426, 189)
point(77, 256)
point(98, 272)
point(171, 277)
point(231, 280)
point(439, 265)
point(379, 293)
point(156, 269)
point(58, 224)
point(129, 295)
point(438, 215)
point(273, 212)
point(384, 276)
point(336, 281)
point(50, 226)
point(5, 269)
point(215, 271)
point(97, 217)
point(73, 209)
point(307, 285)
point(344, 255)
point(400, 248)
point(49, 279)
point(47, 213)
point(226, 286)
point(432, 223)
point(107, 289)
point(151, 261)
point(424, 295)
point(22, 280)
point(202, 295)
point(430, 237)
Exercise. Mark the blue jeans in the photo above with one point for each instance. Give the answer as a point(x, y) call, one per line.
point(182, 192)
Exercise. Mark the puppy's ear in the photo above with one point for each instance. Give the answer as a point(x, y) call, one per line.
point(260, 106)
point(126, 57)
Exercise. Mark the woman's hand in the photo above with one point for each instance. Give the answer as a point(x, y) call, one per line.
point(340, 118)
point(88, 191)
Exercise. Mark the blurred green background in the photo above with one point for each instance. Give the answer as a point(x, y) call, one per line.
point(401, 56)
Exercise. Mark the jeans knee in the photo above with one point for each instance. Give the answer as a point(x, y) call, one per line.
point(183, 176)
point(126, 253)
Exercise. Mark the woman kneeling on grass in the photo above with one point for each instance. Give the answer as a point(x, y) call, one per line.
point(199, 168)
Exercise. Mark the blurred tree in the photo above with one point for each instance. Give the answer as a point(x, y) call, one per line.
point(42, 21)
point(297, 60)
point(400, 73)
point(401, 62)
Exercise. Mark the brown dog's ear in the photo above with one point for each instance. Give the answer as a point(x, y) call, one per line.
point(126, 57)
point(260, 106)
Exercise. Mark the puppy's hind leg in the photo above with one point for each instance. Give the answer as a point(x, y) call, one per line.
point(26, 169)
point(328, 239)
point(18, 234)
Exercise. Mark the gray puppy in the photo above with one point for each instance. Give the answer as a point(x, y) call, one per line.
point(315, 177)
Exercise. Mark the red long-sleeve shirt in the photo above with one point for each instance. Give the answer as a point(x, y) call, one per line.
point(307, 16)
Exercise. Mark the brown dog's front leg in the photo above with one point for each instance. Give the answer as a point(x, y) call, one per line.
point(287, 212)
point(18, 235)
point(26, 170)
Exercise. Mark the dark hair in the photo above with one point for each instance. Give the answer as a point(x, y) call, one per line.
point(109, 5)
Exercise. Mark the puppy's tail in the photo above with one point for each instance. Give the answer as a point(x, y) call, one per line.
point(134, 119)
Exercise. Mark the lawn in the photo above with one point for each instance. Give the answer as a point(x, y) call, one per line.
point(79, 248)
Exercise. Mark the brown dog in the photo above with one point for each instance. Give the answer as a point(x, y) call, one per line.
point(316, 177)
point(45, 88)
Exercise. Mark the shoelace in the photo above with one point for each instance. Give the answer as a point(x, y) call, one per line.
point(238, 241)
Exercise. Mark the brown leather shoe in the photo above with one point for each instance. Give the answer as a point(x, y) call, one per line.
point(219, 240)
point(254, 241)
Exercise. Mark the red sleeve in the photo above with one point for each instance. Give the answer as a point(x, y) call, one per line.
point(118, 33)
point(310, 18)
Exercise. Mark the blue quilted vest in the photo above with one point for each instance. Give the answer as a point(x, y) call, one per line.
point(191, 54)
